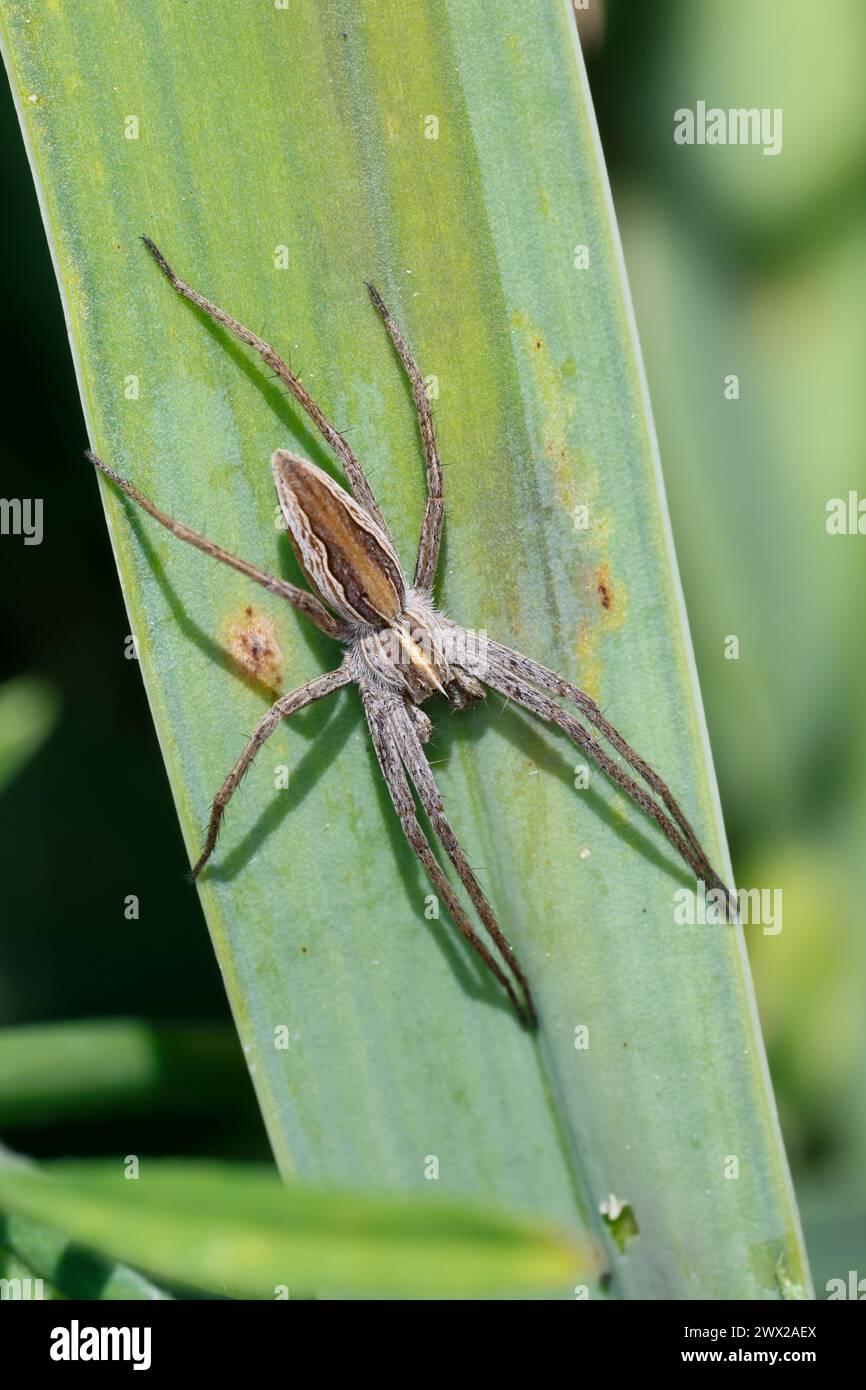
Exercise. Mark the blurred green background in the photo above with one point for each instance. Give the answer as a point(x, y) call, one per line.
point(739, 264)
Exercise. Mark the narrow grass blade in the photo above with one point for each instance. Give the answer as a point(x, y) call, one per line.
point(32, 1250)
point(240, 1231)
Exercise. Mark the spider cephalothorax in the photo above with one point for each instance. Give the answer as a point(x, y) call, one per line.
point(400, 650)
point(396, 637)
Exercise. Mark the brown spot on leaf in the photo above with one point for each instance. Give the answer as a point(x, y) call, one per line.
point(604, 610)
point(603, 587)
point(253, 647)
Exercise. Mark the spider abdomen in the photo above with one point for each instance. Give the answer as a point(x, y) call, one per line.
point(342, 551)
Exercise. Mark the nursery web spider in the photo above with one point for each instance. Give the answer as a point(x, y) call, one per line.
point(401, 649)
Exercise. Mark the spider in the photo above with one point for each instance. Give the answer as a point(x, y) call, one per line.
point(400, 649)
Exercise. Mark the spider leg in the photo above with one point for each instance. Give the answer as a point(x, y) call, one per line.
point(498, 678)
point(431, 527)
point(378, 711)
point(354, 472)
point(424, 782)
point(522, 667)
point(305, 602)
point(287, 704)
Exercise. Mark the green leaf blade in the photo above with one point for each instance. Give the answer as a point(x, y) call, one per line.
point(237, 1230)
point(305, 129)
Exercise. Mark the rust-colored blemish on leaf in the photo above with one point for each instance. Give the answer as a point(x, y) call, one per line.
point(251, 642)
point(604, 611)
point(603, 585)
point(608, 595)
